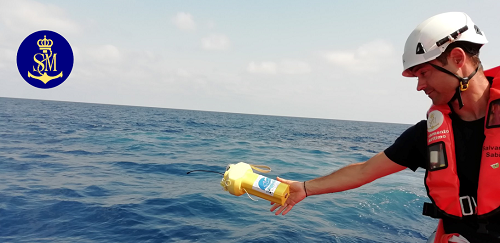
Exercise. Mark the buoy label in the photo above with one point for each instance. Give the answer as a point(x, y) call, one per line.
point(265, 185)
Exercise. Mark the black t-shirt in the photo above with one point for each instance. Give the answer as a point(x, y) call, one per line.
point(410, 150)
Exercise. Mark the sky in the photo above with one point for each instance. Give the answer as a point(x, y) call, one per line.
point(317, 59)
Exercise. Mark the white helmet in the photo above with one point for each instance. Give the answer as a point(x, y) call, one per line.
point(432, 36)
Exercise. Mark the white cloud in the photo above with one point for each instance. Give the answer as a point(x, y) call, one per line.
point(104, 54)
point(263, 67)
point(294, 67)
point(215, 42)
point(283, 67)
point(184, 21)
point(24, 16)
point(183, 73)
point(7, 58)
point(369, 57)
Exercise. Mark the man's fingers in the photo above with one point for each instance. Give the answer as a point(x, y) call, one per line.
point(284, 209)
point(281, 209)
point(274, 207)
point(287, 210)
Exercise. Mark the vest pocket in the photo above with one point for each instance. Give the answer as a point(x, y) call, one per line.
point(437, 156)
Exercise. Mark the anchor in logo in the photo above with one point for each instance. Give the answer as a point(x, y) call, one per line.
point(45, 64)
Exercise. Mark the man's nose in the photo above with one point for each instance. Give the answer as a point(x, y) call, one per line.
point(421, 84)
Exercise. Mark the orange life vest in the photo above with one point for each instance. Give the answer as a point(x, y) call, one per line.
point(443, 185)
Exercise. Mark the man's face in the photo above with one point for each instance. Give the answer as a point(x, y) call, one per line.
point(439, 86)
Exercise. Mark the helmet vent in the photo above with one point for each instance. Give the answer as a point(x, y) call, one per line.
point(420, 49)
point(478, 31)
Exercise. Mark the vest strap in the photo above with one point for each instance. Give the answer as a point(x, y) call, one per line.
point(431, 210)
point(467, 203)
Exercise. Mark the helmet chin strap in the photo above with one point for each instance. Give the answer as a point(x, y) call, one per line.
point(463, 83)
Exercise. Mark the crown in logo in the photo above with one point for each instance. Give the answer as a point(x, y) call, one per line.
point(45, 44)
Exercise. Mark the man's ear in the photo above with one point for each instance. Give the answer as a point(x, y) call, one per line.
point(457, 57)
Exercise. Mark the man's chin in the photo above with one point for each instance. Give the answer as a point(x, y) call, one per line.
point(439, 102)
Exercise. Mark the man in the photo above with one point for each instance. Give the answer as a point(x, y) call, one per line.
point(442, 52)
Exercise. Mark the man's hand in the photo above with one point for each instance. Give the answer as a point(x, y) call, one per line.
point(297, 194)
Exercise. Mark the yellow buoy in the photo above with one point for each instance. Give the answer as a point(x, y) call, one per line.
point(240, 179)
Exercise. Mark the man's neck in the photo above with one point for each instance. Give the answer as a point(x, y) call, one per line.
point(475, 99)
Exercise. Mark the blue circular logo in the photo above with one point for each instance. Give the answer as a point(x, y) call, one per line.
point(264, 183)
point(45, 59)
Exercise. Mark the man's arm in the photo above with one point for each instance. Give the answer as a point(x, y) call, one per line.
point(349, 177)
point(353, 175)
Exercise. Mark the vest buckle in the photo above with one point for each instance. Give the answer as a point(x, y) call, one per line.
point(469, 207)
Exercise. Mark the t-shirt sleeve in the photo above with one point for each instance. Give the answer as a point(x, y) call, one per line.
point(410, 148)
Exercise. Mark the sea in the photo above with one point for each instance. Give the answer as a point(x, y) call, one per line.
point(80, 172)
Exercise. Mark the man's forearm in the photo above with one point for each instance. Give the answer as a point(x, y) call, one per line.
point(340, 180)
point(353, 175)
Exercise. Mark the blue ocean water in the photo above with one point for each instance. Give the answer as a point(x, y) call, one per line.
point(76, 172)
